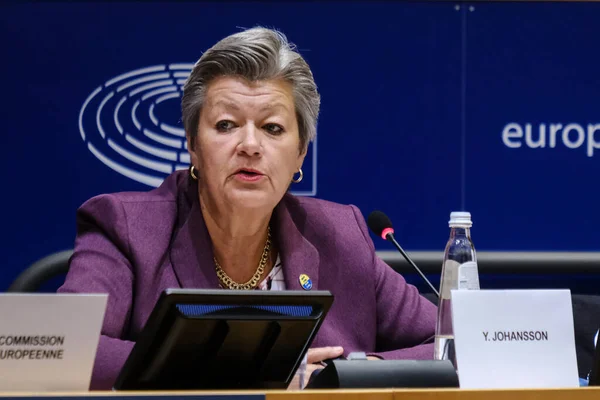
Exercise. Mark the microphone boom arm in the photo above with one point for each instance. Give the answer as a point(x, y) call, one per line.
point(391, 238)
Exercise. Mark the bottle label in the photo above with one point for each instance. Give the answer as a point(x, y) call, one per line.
point(468, 276)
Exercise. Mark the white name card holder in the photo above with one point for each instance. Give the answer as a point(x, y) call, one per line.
point(48, 342)
point(514, 339)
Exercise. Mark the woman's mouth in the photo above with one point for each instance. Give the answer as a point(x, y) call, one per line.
point(248, 175)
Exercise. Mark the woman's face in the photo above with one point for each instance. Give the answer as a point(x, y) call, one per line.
point(247, 148)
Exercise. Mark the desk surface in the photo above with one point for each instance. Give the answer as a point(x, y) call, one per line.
point(585, 393)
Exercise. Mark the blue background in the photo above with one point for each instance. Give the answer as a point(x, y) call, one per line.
point(415, 96)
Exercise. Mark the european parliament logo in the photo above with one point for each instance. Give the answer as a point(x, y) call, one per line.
point(132, 124)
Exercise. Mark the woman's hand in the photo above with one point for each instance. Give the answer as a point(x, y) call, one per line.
point(314, 360)
point(319, 354)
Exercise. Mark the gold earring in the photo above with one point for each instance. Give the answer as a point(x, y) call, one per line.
point(192, 173)
point(299, 178)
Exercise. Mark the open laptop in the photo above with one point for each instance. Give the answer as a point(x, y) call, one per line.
point(203, 339)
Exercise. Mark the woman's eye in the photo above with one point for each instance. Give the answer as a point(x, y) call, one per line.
point(273, 129)
point(224, 126)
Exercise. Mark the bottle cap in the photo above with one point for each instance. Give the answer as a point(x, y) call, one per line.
point(460, 219)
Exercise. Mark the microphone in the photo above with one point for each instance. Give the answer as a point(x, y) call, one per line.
point(380, 224)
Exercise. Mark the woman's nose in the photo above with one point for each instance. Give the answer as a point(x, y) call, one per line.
point(250, 140)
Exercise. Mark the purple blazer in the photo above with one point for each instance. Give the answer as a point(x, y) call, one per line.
point(134, 245)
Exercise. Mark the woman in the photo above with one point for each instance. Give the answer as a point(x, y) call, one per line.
point(250, 108)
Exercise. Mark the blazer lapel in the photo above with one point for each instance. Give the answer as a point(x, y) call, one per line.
point(191, 249)
point(298, 255)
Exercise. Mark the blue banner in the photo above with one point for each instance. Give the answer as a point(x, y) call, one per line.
point(427, 108)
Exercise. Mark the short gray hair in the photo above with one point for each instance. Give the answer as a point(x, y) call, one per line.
point(255, 54)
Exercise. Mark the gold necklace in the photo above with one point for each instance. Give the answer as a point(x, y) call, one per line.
point(229, 283)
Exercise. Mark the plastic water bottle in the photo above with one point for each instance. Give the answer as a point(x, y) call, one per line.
point(459, 271)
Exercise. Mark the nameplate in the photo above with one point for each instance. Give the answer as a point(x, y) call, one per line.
point(48, 342)
point(514, 339)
